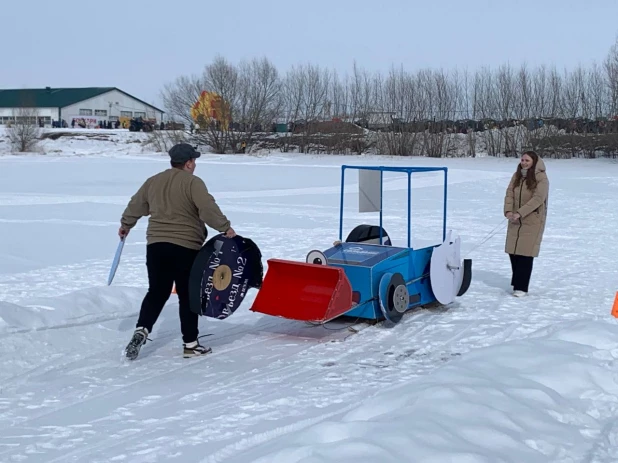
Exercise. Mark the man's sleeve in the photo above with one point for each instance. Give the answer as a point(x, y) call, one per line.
point(207, 207)
point(137, 208)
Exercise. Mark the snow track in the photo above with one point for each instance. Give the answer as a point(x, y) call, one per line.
point(442, 382)
point(262, 370)
point(100, 389)
point(277, 371)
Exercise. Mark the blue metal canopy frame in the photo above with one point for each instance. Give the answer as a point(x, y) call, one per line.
point(407, 170)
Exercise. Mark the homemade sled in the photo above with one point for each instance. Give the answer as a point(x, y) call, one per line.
point(365, 276)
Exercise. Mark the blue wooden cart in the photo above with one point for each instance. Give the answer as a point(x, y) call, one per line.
point(365, 276)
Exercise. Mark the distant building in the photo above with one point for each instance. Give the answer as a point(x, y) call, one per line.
point(61, 106)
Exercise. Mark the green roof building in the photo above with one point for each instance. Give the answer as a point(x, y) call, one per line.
point(89, 105)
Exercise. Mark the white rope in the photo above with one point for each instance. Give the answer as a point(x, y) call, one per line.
point(498, 228)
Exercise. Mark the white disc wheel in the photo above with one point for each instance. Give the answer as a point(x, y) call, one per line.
point(446, 270)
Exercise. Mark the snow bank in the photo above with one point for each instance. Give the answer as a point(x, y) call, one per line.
point(551, 397)
point(84, 142)
point(121, 142)
point(76, 308)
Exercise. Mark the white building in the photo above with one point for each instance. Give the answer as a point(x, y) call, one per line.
point(91, 105)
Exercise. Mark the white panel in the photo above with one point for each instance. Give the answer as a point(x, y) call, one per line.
point(369, 191)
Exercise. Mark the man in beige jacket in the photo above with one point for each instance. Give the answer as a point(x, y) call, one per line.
point(179, 205)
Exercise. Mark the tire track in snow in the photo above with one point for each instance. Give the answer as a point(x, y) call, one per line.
point(264, 437)
point(232, 332)
point(171, 371)
point(153, 427)
point(419, 363)
point(291, 369)
point(152, 377)
point(245, 444)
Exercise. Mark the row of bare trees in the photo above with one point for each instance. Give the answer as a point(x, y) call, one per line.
point(258, 96)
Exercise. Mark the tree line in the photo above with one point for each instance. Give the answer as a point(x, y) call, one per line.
point(435, 112)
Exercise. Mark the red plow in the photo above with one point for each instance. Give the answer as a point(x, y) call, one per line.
point(303, 291)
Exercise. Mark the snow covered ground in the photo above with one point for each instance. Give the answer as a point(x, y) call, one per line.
point(490, 378)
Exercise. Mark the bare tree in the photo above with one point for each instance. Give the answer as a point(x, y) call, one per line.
point(360, 94)
point(314, 101)
point(25, 132)
point(339, 93)
point(398, 97)
point(258, 100)
point(511, 108)
point(539, 93)
point(162, 140)
point(555, 89)
point(484, 101)
point(572, 96)
point(249, 96)
point(179, 96)
point(438, 89)
point(291, 103)
point(222, 78)
point(523, 107)
point(611, 70)
point(598, 95)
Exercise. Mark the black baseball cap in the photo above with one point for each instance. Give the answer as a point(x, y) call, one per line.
point(183, 152)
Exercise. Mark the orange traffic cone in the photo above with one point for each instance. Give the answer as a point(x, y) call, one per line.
point(174, 289)
point(615, 306)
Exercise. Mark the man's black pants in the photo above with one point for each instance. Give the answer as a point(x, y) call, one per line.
point(168, 263)
point(522, 270)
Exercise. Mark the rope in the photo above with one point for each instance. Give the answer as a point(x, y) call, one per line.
point(498, 228)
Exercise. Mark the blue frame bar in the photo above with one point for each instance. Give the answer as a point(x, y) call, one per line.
point(343, 168)
point(409, 171)
point(410, 209)
point(444, 215)
point(381, 199)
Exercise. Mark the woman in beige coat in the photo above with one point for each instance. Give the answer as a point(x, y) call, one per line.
point(525, 206)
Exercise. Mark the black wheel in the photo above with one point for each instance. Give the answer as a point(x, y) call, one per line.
point(394, 297)
point(369, 234)
point(467, 277)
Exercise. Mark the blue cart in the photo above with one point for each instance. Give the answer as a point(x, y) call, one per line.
point(365, 276)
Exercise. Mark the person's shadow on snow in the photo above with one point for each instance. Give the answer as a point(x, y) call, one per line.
point(493, 279)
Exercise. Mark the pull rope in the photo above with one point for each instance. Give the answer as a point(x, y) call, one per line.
point(498, 228)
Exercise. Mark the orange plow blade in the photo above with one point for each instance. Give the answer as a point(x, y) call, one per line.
point(301, 291)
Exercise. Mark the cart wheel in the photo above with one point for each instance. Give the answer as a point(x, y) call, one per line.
point(369, 234)
point(316, 257)
point(467, 277)
point(394, 297)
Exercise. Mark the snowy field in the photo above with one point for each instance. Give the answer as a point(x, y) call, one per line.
point(487, 379)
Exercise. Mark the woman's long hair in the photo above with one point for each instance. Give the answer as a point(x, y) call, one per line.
point(530, 175)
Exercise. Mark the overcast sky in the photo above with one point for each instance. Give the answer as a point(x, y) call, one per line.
point(138, 46)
